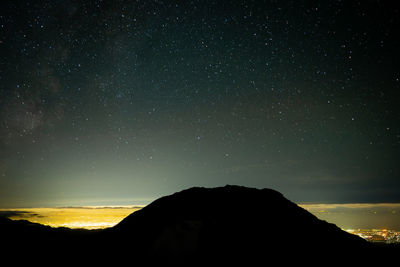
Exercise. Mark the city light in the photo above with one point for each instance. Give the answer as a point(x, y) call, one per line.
point(377, 235)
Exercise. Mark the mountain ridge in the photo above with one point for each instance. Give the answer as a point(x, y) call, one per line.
point(216, 222)
point(230, 224)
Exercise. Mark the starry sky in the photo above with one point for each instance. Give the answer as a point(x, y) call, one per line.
point(121, 102)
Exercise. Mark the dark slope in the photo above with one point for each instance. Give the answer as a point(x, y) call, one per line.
point(197, 226)
point(231, 223)
point(24, 242)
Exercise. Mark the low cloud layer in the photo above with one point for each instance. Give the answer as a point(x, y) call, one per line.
point(11, 214)
point(72, 217)
point(358, 215)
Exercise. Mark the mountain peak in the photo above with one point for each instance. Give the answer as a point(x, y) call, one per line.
point(202, 201)
point(198, 226)
point(232, 221)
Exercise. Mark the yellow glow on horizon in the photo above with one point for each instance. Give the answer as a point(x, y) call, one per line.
point(80, 217)
point(349, 205)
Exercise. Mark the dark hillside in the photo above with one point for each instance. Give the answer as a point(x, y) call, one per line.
point(197, 226)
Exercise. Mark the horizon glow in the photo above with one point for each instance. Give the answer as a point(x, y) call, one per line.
point(74, 217)
point(345, 216)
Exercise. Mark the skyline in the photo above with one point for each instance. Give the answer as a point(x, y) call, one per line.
point(349, 217)
point(110, 103)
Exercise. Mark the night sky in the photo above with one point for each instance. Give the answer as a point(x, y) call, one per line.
point(121, 102)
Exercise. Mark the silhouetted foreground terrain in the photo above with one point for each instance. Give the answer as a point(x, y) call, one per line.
point(197, 226)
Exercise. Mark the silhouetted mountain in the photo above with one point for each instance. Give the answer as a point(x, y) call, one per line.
point(231, 223)
point(197, 226)
point(26, 243)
